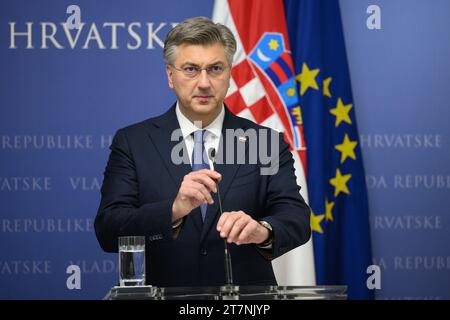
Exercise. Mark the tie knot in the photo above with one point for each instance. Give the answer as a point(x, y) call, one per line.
point(200, 135)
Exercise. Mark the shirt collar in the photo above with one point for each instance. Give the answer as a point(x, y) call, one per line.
point(187, 127)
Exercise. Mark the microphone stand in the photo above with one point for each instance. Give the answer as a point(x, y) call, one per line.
point(229, 288)
point(228, 269)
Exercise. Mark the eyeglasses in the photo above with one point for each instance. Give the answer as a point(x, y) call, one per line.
point(193, 72)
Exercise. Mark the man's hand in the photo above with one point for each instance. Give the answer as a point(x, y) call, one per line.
point(195, 190)
point(240, 228)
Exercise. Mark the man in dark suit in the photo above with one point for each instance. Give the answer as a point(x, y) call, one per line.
point(161, 183)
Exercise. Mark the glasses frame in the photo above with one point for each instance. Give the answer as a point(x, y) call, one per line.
point(199, 71)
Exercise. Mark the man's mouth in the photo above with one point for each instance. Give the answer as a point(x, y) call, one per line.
point(203, 99)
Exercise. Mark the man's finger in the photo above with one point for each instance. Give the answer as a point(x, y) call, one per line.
point(200, 187)
point(222, 219)
point(205, 180)
point(237, 228)
point(228, 224)
point(210, 173)
point(196, 195)
point(244, 236)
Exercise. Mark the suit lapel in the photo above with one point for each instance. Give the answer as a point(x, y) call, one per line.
point(161, 131)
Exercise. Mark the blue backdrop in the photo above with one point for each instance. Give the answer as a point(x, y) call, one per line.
point(60, 107)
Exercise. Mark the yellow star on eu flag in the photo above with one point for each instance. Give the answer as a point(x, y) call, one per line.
point(328, 210)
point(341, 112)
point(339, 183)
point(347, 148)
point(315, 222)
point(307, 79)
point(326, 87)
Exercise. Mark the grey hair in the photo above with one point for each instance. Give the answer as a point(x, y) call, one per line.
point(198, 31)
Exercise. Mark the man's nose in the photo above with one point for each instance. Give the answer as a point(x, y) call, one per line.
point(203, 79)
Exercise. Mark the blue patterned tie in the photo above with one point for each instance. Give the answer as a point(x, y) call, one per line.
point(199, 159)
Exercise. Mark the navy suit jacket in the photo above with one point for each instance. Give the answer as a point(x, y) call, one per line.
point(141, 182)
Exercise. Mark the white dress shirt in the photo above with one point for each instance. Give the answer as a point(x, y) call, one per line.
point(212, 139)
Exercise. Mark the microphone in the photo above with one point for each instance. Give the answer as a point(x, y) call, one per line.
point(228, 269)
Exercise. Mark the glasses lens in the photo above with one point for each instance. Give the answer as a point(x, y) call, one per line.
point(191, 72)
point(215, 70)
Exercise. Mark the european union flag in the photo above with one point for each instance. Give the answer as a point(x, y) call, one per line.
point(335, 172)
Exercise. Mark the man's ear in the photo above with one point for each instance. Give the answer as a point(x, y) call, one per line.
point(169, 73)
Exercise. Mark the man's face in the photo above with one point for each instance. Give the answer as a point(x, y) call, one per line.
point(200, 97)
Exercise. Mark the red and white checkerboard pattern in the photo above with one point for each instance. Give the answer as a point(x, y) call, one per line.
point(247, 97)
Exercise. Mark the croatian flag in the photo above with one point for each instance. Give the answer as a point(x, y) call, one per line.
point(263, 89)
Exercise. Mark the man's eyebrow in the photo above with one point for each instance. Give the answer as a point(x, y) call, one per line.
point(196, 65)
point(190, 64)
point(216, 63)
